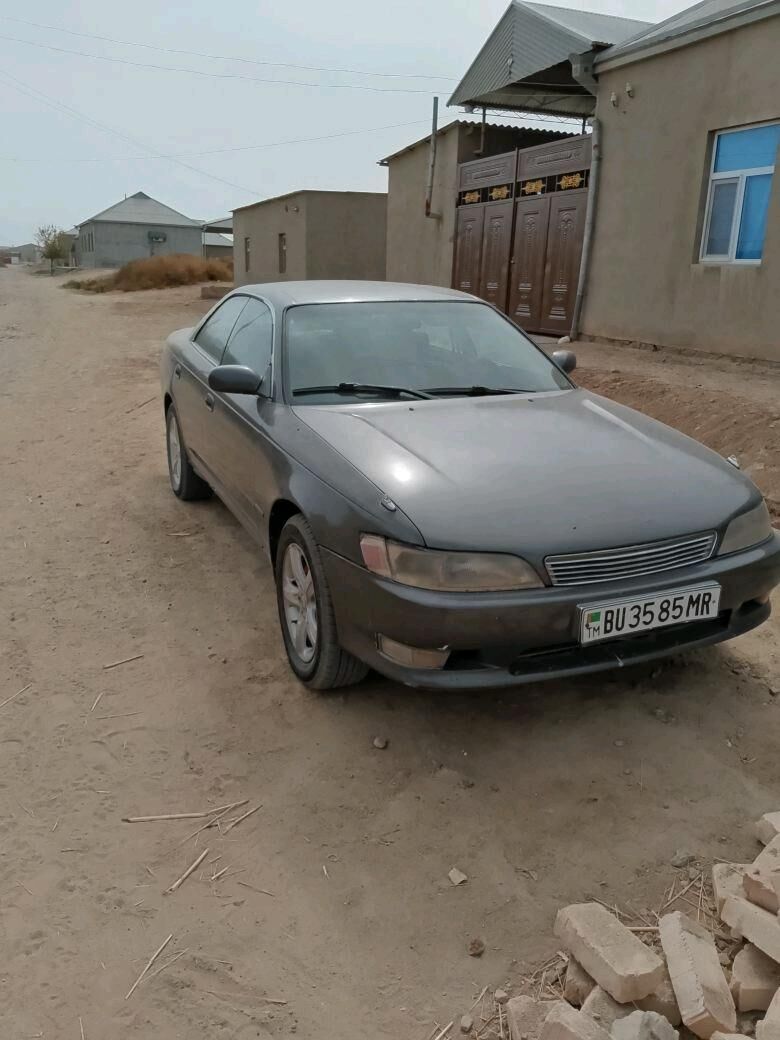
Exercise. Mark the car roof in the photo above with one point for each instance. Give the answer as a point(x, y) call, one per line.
point(288, 294)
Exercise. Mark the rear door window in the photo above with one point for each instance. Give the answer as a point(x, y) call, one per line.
point(213, 336)
point(251, 339)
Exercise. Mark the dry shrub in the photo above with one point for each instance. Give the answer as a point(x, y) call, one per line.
point(158, 272)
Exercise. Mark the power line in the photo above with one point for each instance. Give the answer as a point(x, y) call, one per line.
point(225, 57)
point(40, 96)
point(218, 151)
point(219, 75)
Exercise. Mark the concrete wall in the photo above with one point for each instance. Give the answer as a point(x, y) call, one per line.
point(346, 235)
point(117, 244)
point(262, 224)
point(419, 248)
point(329, 235)
point(646, 282)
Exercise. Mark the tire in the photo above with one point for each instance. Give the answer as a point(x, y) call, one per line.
point(185, 482)
point(315, 655)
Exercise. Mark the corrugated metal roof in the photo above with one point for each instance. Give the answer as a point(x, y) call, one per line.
point(142, 209)
point(222, 224)
point(210, 238)
point(473, 122)
point(704, 19)
point(531, 39)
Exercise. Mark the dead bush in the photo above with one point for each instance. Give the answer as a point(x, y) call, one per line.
point(158, 272)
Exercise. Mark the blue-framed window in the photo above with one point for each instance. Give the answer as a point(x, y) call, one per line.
point(743, 166)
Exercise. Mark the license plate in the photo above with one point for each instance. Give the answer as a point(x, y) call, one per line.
point(611, 619)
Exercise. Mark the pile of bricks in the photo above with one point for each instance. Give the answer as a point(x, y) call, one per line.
point(617, 987)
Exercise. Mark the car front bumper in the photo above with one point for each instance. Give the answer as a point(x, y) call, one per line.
point(500, 639)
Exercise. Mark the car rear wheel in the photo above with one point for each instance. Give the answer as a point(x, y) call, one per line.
point(185, 482)
point(306, 613)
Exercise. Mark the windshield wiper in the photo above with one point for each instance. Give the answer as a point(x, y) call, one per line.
point(362, 388)
point(472, 391)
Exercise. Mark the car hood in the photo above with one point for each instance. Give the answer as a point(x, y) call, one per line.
point(560, 472)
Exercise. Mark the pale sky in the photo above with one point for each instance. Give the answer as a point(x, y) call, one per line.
point(183, 114)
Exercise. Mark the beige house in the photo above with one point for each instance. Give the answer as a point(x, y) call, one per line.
point(311, 234)
point(421, 248)
point(686, 247)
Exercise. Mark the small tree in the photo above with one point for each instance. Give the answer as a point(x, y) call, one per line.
point(53, 243)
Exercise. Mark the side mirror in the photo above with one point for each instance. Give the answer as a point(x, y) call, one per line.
point(566, 360)
point(234, 379)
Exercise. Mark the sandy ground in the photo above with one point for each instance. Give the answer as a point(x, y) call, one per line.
point(542, 796)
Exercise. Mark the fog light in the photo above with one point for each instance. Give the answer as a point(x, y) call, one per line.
point(412, 656)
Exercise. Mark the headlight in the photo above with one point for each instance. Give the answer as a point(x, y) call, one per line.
point(748, 529)
point(447, 571)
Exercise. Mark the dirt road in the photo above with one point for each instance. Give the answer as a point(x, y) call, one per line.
point(542, 795)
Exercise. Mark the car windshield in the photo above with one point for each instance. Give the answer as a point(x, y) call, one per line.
point(401, 350)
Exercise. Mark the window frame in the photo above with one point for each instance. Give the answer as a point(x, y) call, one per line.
point(247, 253)
point(740, 176)
point(282, 248)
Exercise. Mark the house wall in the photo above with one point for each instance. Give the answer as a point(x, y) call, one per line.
point(419, 248)
point(346, 235)
point(219, 252)
point(116, 244)
point(263, 223)
point(646, 282)
point(329, 235)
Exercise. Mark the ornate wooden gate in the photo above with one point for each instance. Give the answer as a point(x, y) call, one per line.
point(519, 231)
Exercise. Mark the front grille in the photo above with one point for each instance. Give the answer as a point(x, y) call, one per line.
point(634, 561)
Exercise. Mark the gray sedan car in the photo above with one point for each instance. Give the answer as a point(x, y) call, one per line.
point(440, 502)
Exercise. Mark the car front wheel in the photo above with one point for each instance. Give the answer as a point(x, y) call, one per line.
point(306, 613)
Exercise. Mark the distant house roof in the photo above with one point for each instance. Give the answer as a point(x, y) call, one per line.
point(142, 209)
point(223, 224)
point(543, 134)
point(708, 18)
point(516, 67)
point(210, 238)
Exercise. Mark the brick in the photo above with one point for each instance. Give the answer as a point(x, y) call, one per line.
point(663, 1001)
point(751, 922)
point(755, 978)
point(727, 881)
point(768, 827)
point(611, 954)
point(769, 1027)
point(578, 983)
point(600, 1006)
point(759, 885)
point(703, 995)
point(769, 858)
point(644, 1025)
point(566, 1023)
point(526, 1017)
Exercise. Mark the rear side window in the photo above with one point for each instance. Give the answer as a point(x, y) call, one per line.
point(251, 338)
point(212, 338)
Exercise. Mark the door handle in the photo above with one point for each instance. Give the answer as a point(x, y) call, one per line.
point(177, 371)
point(208, 400)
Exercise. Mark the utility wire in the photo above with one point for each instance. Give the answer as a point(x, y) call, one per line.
point(220, 75)
point(218, 151)
point(40, 96)
point(224, 57)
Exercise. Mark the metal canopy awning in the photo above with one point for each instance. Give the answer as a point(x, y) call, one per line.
point(524, 65)
point(222, 226)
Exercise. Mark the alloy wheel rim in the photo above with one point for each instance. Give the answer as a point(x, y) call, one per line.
point(174, 452)
point(300, 602)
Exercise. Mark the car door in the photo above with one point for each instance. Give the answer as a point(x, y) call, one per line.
point(242, 422)
point(192, 396)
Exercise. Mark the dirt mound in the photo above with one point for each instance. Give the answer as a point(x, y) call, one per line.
point(158, 272)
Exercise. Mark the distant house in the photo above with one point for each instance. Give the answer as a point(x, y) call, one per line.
point(311, 234)
point(135, 228)
point(220, 247)
point(29, 253)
